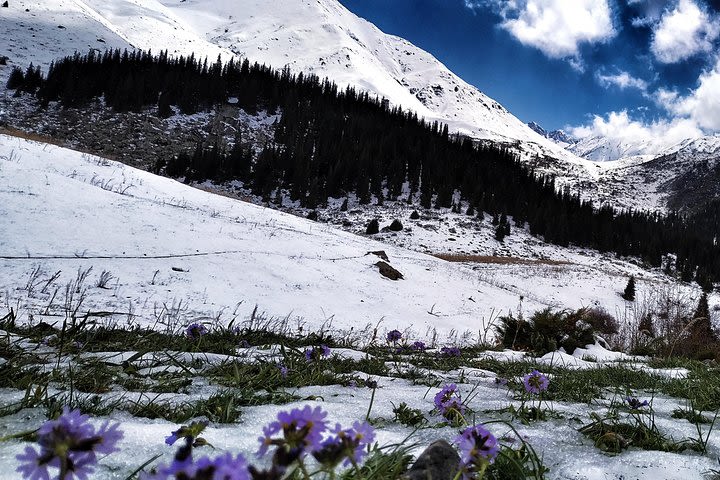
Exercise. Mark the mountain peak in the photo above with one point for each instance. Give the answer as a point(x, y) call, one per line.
point(558, 136)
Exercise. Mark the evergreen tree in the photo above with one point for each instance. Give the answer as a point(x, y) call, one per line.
point(702, 331)
point(16, 80)
point(500, 232)
point(629, 293)
point(373, 227)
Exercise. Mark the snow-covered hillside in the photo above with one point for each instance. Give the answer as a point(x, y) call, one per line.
point(312, 36)
point(171, 248)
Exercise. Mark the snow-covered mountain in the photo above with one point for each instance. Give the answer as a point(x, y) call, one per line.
point(605, 149)
point(324, 38)
point(312, 36)
point(683, 176)
point(558, 136)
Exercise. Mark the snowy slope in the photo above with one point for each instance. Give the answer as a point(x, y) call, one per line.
point(178, 250)
point(173, 246)
point(318, 36)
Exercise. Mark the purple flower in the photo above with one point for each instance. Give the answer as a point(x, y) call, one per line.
point(191, 432)
point(223, 467)
point(70, 444)
point(478, 449)
point(635, 404)
point(349, 445)
point(500, 382)
point(448, 401)
point(450, 352)
point(316, 353)
point(301, 428)
point(394, 336)
point(535, 382)
point(283, 370)
point(196, 330)
point(418, 346)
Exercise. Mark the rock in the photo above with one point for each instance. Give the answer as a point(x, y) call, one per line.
point(5, 5)
point(379, 253)
point(439, 461)
point(389, 272)
point(414, 215)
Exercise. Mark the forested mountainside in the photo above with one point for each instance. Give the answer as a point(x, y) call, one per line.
point(329, 142)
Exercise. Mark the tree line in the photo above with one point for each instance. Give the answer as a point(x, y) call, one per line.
point(331, 141)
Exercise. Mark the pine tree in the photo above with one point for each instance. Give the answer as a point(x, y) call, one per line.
point(702, 330)
point(16, 80)
point(500, 232)
point(629, 293)
point(373, 227)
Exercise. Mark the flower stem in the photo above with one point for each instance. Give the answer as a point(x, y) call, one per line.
point(372, 400)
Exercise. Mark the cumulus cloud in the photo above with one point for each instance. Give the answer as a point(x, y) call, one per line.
point(692, 114)
point(555, 27)
point(701, 105)
point(618, 127)
point(683, 32)
point(621, 80)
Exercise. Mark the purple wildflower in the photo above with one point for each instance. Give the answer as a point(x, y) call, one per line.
point(283, 370)
point(196, 330)
point(70, 444)
point(316, 353)
point(635, 404)
point(418, 346)
point(448, 401)
point(191, 432)
point(394, 336)
point(300, 429)
point(349, 445)
point(535, 382)
point(500, 382)
point(223, 467)
point(450, 352)
point(478, 449)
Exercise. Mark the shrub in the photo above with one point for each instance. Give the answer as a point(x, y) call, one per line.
point(373, 227)
point(396, 226)
point(546, 331)
point(414, 215)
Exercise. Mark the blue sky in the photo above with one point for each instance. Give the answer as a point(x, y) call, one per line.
point(629, 68)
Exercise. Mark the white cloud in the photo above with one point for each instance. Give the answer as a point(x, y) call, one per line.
point(618, 128)
point(692, 114)
point(556, 27)
point(701, 105)
point(683, 32)
point(622, 80)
